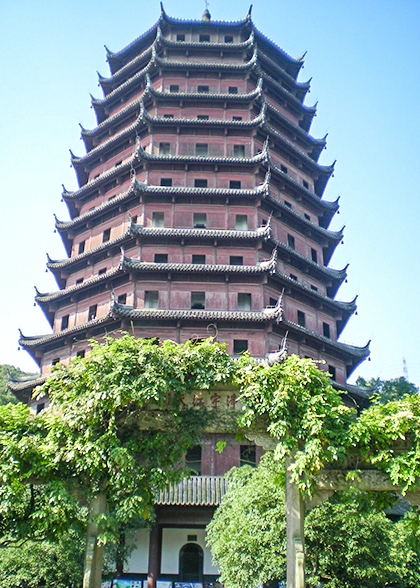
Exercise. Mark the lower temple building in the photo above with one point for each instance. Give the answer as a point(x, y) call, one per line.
point(199, 212)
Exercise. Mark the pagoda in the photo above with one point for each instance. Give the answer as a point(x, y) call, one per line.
point(199, 212)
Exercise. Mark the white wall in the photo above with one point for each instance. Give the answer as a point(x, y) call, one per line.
point(173, 540)
point(139, 560)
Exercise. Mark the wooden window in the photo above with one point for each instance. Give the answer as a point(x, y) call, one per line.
point(81, 247)
point(301, 319)
point(314, 255)
point(180, 37)
point(202, 117)
point(228, 39)
point(201, 149)
point(305, 184)
point(236, 260)
point(291, 241)
point(326, 330)
point(151, 299)
point(198, 300)
point(79, 281)
point(203, 89)
point(193, 462)
point(200, 183)
point(288, 204)
point(174, 88)
point(161, 258)
point(122, 299)
point(248, 455)
point(283, 169)
point(196, 258)
point(65, 322)
point(81, 353)
point(92, 312)
point(239, 346)
point(332, 371)
point(204, 38)
point(241, 222)
point(164, 149)
point(233, 89)
point(166, 181)
point(199, 220)
point(237, 118)
point(244, 301)
point(239, 151)
point(106, 235)
point(168, 116)
point(158, 219)
point(235, 185)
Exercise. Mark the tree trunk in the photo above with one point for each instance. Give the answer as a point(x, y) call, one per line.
point(92, 575)
point(295, 513)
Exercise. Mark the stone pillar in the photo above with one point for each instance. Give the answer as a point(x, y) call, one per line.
point(92, 575)
point(295, 513)
point(154, 556)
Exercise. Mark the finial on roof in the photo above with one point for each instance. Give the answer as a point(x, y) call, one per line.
point(206, 14)
point(249, 12)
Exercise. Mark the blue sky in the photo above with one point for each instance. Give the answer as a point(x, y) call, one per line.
point(363, 58)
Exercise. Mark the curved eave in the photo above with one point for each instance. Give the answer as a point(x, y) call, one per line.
point(184, 159)
point(70, 197)
point(332, 237)
point(22, 387)
point(329, 207)
point(360, 394)
point(336, 276)
point(109, 84)
point(158, 63)
point(55, 266)
point(315, 167)
point(307, 112)
point(206, 316)
point(161, 41)
point(63, 226)
point(116, 58)
point(152, 93)
point(32, 344)
point(317, 144)
point(146, 119)
point(208, 46)
point(346, 308)
point(194, 122)
point(45, 299)
point(141, 232)
point(291, 63)
point(300, 89)
point(205, 97)
point(356, 354)
point(135, 265)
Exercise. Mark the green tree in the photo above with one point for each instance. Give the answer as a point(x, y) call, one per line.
point(53, 564)
point(388, 390)
point(117, 426)
point(247, 534)
point(350, 543)
point(6, 395)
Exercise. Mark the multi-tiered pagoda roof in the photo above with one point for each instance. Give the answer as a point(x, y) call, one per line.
point(200, 206)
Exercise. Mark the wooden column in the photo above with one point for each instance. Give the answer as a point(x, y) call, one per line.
point(154, 556)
